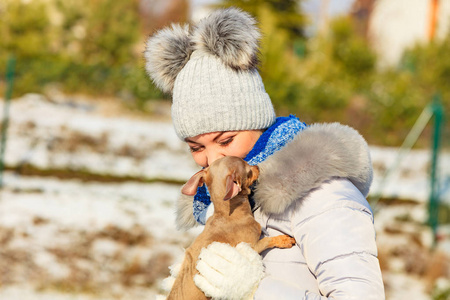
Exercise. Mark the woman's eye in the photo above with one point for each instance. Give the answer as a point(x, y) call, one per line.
point(195, 149)
point(226, 141)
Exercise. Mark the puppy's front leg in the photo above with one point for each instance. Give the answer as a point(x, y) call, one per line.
point(280, 241)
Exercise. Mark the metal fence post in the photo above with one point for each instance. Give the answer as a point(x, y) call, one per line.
point(433, 205)
point(8, 93)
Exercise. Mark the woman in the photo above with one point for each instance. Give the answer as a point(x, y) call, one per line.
point(313, 179)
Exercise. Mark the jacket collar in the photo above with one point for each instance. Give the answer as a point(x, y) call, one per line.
point(317, 154)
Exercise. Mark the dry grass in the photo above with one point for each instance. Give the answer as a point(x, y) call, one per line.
point(128, 261)
point(405, 247)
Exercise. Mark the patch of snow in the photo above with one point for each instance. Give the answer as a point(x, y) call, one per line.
point(403, 287)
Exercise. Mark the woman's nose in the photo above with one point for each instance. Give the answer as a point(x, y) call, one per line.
point(213, 156)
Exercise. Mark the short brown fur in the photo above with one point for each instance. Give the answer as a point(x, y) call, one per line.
point(228, 178)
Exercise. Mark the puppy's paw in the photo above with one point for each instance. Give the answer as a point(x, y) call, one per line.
point(283, 241)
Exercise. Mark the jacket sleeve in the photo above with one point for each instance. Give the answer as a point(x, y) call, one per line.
point(334, 229)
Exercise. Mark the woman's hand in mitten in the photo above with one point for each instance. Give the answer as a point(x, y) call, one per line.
point(228, 272)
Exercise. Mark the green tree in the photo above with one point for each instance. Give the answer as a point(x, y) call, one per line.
point(277, 62)
point(25, 29)
point(337, 68)
point(84, 46)
point(288, 14)
point(26, 32)
point(349, 50)
point(281, 24)
point(428, 67)
point(102, 31)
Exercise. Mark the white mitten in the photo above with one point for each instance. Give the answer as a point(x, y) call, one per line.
point(228, 272)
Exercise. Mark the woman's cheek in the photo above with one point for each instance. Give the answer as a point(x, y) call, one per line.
point(236, 151)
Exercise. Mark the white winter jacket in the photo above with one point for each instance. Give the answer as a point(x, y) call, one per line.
point(336, 254)
point(314, 189)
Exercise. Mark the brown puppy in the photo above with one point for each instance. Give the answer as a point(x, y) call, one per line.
point(228, 180)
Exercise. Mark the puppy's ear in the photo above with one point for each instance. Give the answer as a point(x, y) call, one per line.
point(232, 187)
point(190, 187)
point(253, 174)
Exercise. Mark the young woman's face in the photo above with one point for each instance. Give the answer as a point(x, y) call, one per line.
point(208, 147)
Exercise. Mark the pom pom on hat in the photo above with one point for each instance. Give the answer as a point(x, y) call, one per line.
point(231, 35)
point(167, 52)
point(211, 73)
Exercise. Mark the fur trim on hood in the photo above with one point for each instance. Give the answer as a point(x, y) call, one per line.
point(185, 212)
point(317, 154)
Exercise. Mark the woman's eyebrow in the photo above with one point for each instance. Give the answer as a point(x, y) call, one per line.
point(187, 140)
point(218, 136)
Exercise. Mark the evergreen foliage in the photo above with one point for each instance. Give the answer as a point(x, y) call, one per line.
point(84, 46)
point(288, 15)
point(91, 46)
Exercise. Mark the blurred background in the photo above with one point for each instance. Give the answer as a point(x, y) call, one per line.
point(90, 166)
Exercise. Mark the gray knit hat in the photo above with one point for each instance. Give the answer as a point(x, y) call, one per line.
point(211, 73)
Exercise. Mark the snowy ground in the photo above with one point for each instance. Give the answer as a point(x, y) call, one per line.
point(73, 239)
point(102, 240)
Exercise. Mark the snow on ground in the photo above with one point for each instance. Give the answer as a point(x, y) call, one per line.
point(410, 179)
point(73, 239)
point(103, 240)
point(51, 135)
point(77, 137)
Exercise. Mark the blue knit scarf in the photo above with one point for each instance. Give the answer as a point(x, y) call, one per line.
point(273, 139)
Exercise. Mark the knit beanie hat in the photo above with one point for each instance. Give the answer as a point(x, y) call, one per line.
point(210, 70)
